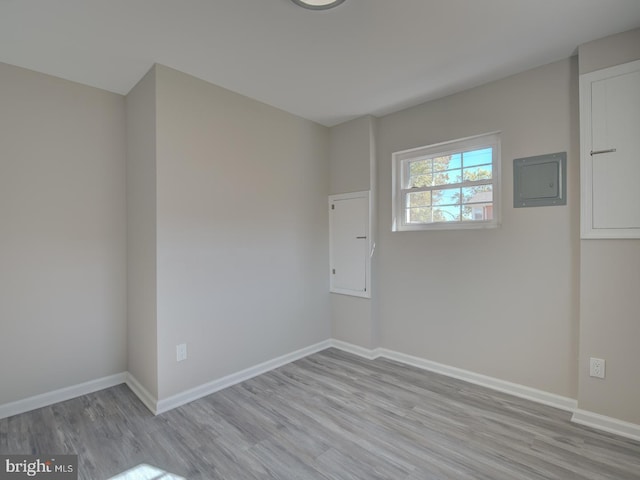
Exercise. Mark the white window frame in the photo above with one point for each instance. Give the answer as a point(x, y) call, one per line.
point(401, 159)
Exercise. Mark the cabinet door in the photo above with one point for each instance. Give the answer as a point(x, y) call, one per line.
point(349, 243)
point(611, 152)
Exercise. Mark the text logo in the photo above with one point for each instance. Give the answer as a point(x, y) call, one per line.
point(49, 467)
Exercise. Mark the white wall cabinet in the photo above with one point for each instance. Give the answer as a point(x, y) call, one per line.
point(350, 244)
point(610, 152)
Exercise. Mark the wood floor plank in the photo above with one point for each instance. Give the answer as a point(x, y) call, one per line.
point(334, 416)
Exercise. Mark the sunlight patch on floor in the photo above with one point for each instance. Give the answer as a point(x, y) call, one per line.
point(146, 472)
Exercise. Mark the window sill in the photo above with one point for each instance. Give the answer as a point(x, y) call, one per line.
point(445, 226)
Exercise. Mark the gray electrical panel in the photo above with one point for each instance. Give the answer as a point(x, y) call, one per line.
point(540, 181)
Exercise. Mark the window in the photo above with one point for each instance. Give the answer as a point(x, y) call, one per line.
point(450, 185)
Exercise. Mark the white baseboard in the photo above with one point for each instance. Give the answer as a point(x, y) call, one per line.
point(582, 417)
point(493, 383)
point(60, 395)
point(606, 424)
point(515, 389)
point(200, 391)
point(154, 405)
point(356, 349)
point(142, 393)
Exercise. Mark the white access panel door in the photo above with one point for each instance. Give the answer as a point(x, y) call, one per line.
point(349, 243)
point(611, 152)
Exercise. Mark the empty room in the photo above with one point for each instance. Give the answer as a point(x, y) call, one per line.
point(319, 239)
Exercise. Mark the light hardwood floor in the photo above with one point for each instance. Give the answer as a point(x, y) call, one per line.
point(331, 415)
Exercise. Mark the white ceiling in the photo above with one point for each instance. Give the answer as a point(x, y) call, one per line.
point(364, 57)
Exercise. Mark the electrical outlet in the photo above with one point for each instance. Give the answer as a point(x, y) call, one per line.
point(181, 352)
point(596, 367)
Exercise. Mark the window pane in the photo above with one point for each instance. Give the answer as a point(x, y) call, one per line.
point(421, 181)
point(447, 162)
point(418, 167)
point(418, 199)
point(418, 215)
point(446, 214)
point(478, 194)
point(478, 173)
point(477, 157)
point(437, 186)
point(477, 212)
point(420, 173)
point(456, 161)
point(449, 196)
point(447, 177)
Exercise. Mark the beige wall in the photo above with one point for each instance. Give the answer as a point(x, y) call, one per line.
point(609, 280)
point(350, 156)
point(352, 161)
point(242, 231)
point(609, 51)
point(227, 237)
point(610, 327)
point(62, 234)
point(141, 233)
point(500, 302)
point(351, 320)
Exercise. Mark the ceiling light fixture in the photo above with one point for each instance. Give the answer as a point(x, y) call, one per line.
point(318, 4)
